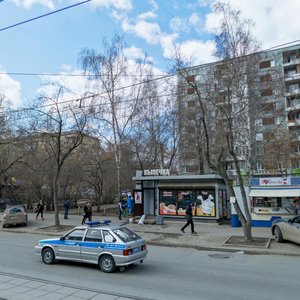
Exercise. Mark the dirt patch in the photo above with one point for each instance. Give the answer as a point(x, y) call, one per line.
point(56, 228)
point(257, 242)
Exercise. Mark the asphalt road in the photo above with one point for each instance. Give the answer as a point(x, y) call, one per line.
point(167, 273)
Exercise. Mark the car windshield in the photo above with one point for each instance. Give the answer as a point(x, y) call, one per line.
point(126, 235)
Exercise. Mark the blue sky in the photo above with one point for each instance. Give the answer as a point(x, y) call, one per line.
point(52, 44)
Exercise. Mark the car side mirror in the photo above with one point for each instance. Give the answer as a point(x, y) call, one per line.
point(62, 238)
point(290, 221)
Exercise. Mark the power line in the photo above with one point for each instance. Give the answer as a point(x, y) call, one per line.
point(45, 15)
point(68, 75)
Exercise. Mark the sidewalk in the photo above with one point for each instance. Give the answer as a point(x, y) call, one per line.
point(210, 236)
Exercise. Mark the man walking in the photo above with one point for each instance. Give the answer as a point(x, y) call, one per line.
point(40, 210)
point(189, 218)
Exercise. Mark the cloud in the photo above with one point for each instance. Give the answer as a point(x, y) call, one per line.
point(143, 29)
point(195, 21)
point(11, 89)
point(136, 53)
point(70, 79)
point(151, 33)
point(147, 15)
point(116, 4)
point(28, 3)
point(274, 20)
point(179, 24)
point(198, 52)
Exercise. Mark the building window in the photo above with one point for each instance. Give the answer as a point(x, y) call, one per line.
point(266, 64)
point(259, 137)
point(268, 106)
point(278, 104)
point(190, 91)
point(190, 78)
point(278, 120)
point(191, 103)
point(258, 122)
point(266, 77)
point(260, 151)
point(294, 88)
point(259, 166)
point(266, 92)
point(296, 164)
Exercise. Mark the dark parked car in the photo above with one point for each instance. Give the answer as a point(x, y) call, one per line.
point(286, 230)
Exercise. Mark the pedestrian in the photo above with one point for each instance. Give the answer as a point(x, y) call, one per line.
point(130, 204)
point(189, 218)
point(66, 208)
point(87, 212)
point(40, 210)
point(124, 206)
point(120, 209)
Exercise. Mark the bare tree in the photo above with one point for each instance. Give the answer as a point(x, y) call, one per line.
point(116, 103)
point(61, 132)
point(155, 134)
point(222, 101)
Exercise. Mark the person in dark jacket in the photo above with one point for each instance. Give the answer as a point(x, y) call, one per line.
point(189, 218)
point(87, 212)
point(40, 210)
point(66, 208)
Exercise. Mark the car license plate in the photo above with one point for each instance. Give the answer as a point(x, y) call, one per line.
point(136, 250)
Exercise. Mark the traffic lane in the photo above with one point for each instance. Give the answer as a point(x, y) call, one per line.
point(167, 273)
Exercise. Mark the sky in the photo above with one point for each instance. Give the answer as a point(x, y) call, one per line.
point(51, 44)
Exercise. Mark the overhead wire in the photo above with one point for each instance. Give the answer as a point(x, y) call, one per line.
point(150, 80)
point(44, 15)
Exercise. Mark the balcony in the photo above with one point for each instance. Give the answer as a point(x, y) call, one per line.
point(293, 123)
point(291, 77)
point(290, 61)
point(293, 106)
point(292, 92)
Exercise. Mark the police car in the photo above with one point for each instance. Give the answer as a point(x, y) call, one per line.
point(96, 243)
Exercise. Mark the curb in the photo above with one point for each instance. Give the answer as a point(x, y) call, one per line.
point(233, 249)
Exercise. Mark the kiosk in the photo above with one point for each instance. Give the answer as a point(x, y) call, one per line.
point(157, 193)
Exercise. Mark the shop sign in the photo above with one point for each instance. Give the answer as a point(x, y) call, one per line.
point(274, 181)
point(157, 172)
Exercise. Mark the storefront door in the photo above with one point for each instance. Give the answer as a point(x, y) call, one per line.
point(149, 202)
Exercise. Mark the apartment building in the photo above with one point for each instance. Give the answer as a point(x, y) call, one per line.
point(259, 96)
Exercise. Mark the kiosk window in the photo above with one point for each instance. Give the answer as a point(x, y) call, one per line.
point(167, 203)
point(266, 202)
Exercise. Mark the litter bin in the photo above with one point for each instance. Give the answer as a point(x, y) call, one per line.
point(159, 220)
point(235, 222)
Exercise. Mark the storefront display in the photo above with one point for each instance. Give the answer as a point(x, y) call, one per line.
point(205, 203)
point(167, 203)
point(168, 195)
point(175, 202)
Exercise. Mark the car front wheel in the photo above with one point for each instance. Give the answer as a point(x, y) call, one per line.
point(278, 235)
point(107, 264)
point(48, 256)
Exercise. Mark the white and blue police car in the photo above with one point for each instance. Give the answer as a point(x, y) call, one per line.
point(97, 243)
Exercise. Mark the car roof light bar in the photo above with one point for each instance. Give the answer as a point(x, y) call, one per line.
point(95, 223)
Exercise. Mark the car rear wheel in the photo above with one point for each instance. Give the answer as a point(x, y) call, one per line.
point(278, 235)
point(48, 256)
point(107, 264)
